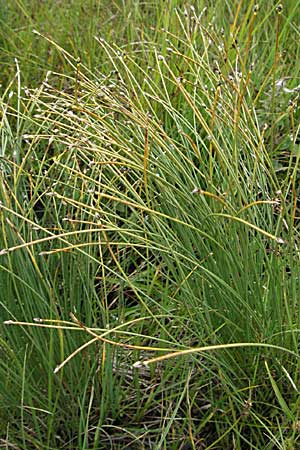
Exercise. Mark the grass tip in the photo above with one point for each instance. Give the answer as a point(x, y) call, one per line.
point(196, 191)
point(138, 365)
point(8, 322)
point(4, 251)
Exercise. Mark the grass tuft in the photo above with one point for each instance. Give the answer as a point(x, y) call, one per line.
point(149, 258)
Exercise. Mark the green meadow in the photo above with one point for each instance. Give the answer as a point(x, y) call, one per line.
point(149, 225)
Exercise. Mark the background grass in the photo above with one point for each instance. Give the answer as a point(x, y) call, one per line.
point(149, 188)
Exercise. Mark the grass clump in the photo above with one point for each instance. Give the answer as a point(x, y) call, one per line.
point(154, 198)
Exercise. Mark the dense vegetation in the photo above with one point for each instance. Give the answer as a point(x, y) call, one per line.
point(149, 245)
